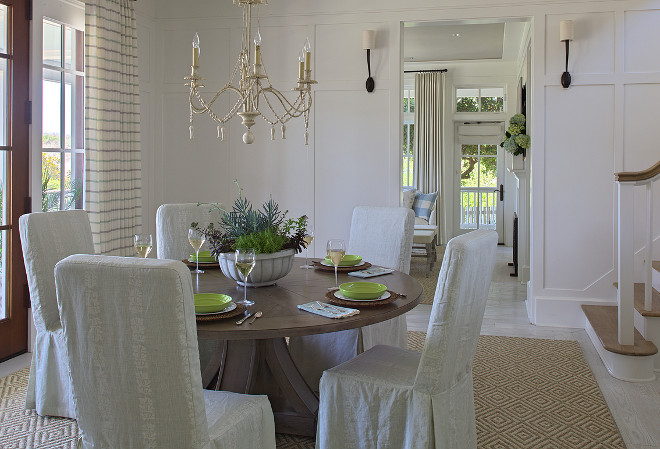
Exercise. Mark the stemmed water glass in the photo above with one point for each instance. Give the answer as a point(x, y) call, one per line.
point(308, 239)
point(143, 244)
point(336, 250)
point(196, 239)
point(245, 261)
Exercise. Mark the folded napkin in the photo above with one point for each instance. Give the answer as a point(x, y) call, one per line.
point(327, 310)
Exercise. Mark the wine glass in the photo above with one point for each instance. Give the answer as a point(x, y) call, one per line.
point(143, 244)
point(308, 239)
point(245, 261)
point(196, 239)
point(336, 250)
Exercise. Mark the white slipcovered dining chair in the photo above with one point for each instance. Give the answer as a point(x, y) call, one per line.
point(382, 236)
point(131, 338)
point(395, 398)
point(47, 238)
point(172, 224)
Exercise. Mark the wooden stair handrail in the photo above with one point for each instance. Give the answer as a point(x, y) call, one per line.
point(636, 176)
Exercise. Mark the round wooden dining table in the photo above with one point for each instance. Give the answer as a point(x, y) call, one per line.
point(254, 359)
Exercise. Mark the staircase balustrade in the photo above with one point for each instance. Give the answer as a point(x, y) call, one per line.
point(626, 183)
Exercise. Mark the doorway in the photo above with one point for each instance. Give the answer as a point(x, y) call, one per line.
point(14, 154)
point(479, 196)
point(485, 61)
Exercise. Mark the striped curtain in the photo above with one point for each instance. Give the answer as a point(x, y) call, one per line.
point(112, 126)
point(428, 157)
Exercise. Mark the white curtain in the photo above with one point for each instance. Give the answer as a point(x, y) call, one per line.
point(112, 125)
point(428, 157)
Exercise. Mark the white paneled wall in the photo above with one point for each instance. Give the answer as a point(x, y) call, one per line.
point(605, 122)
point(586, 158)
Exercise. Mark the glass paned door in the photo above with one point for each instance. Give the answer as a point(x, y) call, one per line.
point(479, 194)
point(14, 63)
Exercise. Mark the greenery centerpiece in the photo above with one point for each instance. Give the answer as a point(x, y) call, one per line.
point(515, 140)
point(274, 237)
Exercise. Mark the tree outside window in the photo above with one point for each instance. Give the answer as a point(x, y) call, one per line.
point(480, 99)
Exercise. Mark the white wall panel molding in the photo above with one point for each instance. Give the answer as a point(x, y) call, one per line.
point(641, 131)
point(579, 154)
point(641, 33)
point(350, 149)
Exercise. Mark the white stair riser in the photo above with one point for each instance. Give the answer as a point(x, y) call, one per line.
point(623, 367)
point(649, 327)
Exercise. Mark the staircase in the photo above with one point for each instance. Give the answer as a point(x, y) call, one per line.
point(627, 336)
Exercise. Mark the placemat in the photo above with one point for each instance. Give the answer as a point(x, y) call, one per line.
point(202, 265)
point(362, 266)
point(239, 310)
point(341, 302)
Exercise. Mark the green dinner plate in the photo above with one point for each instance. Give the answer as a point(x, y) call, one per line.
point(348, 260)
point(204, 256)
point(362, 290)
point(211, 302)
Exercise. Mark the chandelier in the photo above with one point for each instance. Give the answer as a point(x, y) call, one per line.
point(256, 96)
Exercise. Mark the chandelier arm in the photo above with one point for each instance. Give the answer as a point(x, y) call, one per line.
point(290, 109)
point(207, 105)
point(285, 117)
point(214, 116)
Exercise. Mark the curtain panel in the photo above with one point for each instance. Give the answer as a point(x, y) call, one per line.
point(428, 152)
point(112, 126)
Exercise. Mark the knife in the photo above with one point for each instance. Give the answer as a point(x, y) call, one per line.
point(239, 322)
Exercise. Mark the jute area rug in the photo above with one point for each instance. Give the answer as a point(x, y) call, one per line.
point(529, 393)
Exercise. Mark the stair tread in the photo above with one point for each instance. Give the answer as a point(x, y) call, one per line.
point(604, 321)
point(639, 300)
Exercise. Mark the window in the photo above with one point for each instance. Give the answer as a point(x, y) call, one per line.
point(62, 142)
point(408, 137)
point(480, 99)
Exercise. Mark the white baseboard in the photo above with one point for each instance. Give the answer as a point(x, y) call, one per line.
point(561, 312)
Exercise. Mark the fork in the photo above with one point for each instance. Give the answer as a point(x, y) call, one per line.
point(328, 306)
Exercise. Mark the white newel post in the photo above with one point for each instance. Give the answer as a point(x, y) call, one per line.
point(648, 289)
point(625, 295)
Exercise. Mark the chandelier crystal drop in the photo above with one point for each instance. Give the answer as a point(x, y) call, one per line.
point(256, 95)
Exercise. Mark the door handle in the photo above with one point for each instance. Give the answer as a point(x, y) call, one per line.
point(501, 191)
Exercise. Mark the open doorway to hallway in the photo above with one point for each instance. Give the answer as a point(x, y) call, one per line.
point(485, 70)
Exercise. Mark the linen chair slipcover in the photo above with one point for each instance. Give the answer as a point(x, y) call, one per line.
point(382, 236)
point(172, 224)
point(391, 397)
point(130, 333)
point(47, 238)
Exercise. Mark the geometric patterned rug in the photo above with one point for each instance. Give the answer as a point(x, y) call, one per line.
point(529, 393)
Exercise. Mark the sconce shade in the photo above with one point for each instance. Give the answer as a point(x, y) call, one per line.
point(566, 30)
point(368, 39)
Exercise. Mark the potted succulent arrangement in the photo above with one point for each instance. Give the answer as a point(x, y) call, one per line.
point(275, 239)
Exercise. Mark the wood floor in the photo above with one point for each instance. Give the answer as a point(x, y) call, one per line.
point(635, 406)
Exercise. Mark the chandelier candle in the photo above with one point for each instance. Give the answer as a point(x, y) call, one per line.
point(256, 95)
point(195, 45)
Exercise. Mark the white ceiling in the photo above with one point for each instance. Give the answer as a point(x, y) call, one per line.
point(436, 41)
